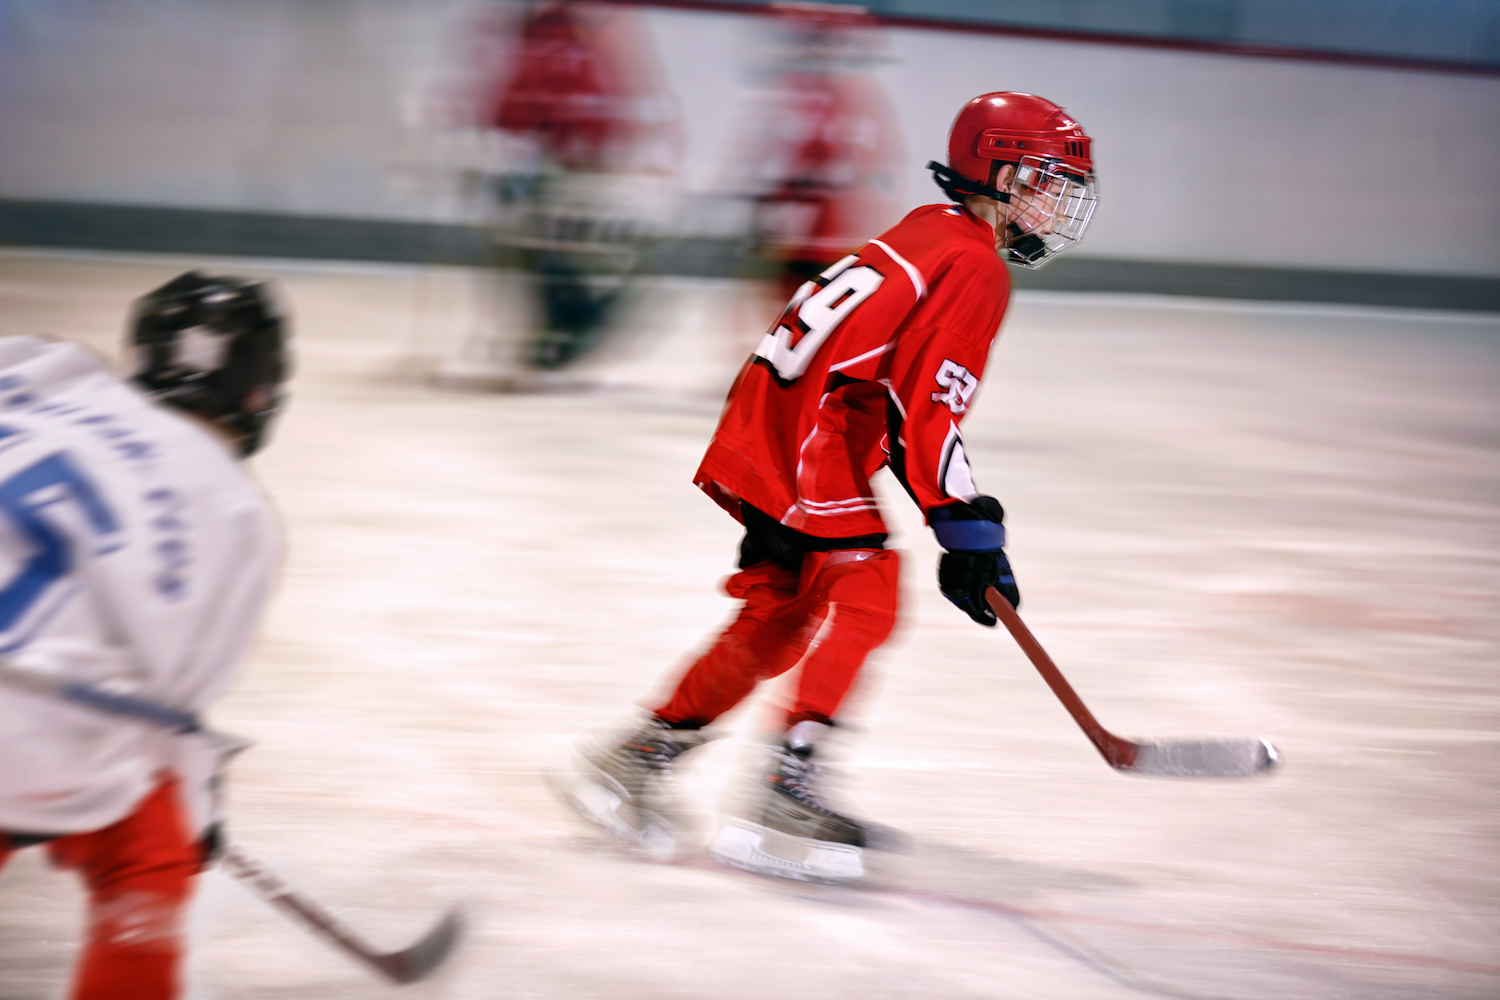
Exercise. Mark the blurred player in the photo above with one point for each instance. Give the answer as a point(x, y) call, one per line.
point(873, 363)
point(138, 557)
point(824, 153)
point(593, 136)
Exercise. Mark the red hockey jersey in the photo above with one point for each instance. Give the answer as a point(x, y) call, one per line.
point(873, 362)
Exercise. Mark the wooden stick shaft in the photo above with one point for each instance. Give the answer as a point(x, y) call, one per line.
point(1118, 752)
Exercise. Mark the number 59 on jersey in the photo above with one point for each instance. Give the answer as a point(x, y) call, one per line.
point(813, 314)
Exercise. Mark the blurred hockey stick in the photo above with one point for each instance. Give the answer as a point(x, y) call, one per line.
point(405, 966)
point(93, 696)
point(1231, 758)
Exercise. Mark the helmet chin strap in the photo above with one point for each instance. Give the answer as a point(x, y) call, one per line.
point(1027, 246)
point(958, 187)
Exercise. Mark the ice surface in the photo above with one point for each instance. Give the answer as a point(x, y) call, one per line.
point(1224, 519)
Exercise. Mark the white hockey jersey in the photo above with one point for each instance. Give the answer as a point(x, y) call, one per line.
point(134, 554)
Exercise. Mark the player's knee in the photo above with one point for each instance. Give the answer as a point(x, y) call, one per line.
point(137, 920)
point(760, 636)
point(867, 595)
point(752, 652)
point(867, 625)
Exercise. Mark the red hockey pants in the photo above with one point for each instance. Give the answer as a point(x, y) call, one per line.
point(139, 876)
point(845, 600)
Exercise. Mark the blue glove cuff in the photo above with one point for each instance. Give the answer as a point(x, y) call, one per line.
point(970, 536)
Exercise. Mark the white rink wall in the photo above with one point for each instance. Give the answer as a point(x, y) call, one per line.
point(350, 108)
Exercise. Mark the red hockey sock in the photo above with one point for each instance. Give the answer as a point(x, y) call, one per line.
point(139, 876)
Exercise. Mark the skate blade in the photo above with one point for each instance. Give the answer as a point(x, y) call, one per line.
point(755, 848)
point(604, 809)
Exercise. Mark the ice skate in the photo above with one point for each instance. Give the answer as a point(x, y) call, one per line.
point(783, 829)
point(623, 786)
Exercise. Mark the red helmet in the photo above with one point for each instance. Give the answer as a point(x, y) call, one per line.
point(1006, 126)
point(1051, 195)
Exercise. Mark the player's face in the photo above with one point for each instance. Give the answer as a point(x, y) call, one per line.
point(1033, 206)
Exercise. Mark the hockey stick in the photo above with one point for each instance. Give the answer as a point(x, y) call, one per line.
point(1174, 758)
point(406, 966)
point(93, 696)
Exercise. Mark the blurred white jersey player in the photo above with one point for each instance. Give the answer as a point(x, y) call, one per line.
point(135, 555)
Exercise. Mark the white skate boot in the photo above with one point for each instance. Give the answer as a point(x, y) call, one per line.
point(623, 786)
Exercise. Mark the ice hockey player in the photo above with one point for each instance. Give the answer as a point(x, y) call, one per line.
point(873, 363)
point(138, 556)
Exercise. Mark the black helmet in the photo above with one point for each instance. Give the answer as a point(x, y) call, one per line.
point(213, 345)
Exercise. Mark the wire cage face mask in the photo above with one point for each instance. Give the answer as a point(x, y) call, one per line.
point(1049, 209)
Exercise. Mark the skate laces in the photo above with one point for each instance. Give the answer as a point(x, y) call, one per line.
point(656, 751)
point(648, 753)
point(795, 774)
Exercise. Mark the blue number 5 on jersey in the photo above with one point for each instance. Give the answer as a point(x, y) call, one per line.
point(33, 594)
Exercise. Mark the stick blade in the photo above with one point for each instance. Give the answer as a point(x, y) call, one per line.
point(421, 959)
point(1237, 758)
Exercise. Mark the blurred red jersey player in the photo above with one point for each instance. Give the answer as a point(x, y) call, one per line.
point(873, 363)
point(825, 153)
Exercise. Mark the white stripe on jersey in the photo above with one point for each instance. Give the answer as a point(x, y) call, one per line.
point(957, 477)
point(836, 507)
point(841, 510)
point(836, 503)
point(863, 357)
point(911, 272)
point(895, 399)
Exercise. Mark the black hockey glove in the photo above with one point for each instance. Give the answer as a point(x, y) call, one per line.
point(975, 539)
point(211, 845)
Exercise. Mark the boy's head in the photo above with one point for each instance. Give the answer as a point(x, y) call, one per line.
point(1022, 164)
point(214, 346)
